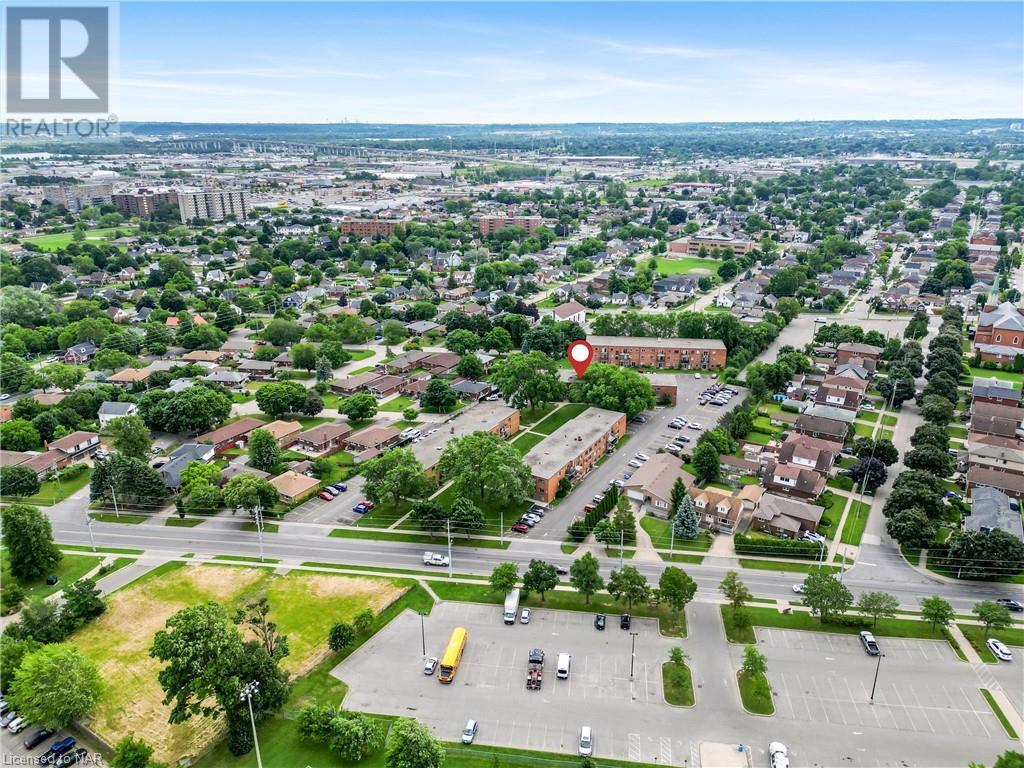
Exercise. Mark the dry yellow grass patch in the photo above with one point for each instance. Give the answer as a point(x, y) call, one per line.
point(304, 605)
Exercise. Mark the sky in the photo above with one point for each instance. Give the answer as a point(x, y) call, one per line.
point(463, 62)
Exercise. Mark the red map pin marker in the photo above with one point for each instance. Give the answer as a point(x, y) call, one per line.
point(580, 355)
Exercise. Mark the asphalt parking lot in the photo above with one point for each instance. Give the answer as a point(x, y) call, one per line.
point(386, 676)
point(13, 753)
point(922, 686)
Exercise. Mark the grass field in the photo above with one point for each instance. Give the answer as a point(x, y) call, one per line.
point(124, 518)
point(417, 538)
point(684, 265)
point(181, 522)
point(678, 684)
point(64, 239)
point(976, 637)
point(1014, 378)
point(526, 441)
point(671, 624)
point(771, 565)
point(69, 570)
point(397, 404)
point(304, 605)
point(770, 617)
point(560, 417)
point(529, 416)
point(660, 532)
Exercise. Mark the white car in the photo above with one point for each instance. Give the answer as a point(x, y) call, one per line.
point(696, 375)
point(999, 650)
point(673, 448)
point(618, 483)
point(586, 748)
point(430, 665)
point(524, 616)
point(694, 425)
point(820, 319)
point(635, 464)
point(778, 755)
point(17, 725)
point(798, 588)
point(642, 457)
point(5, 396)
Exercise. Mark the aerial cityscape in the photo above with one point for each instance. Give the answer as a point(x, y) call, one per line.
point(640, 382)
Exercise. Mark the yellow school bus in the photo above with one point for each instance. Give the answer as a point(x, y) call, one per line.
point(452, 655)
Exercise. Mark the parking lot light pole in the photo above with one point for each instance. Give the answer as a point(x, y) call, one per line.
point(423, 635)
point(632, 653)
point(246, 694)
point(875, 683)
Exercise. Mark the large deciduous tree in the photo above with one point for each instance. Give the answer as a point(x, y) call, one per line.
point(585, 576)
point(614, 388)
point(528, 380)
point(131, 437)
point(395, 477)
point(676, 588)
point(629, 585)
point(264, 452)
point(277, 399)
point(825, 595)
point(540, 577)
point(29, 539)
point(484, 467)
point(55, 685)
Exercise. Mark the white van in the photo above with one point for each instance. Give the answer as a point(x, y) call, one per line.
point(586, 748)
point(564, 662)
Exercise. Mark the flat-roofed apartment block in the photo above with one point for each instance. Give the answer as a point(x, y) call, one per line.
point(75, 197)
point(693, 245)
point(652, 352)
point(573, 449)
point(490, 224)
point(144, 202)
point(369, 227)
point(485, 417)
point(214, 204)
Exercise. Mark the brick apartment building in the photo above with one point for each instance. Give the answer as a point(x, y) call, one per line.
point(691, 246)
point(489, 224)
point(75, 197)
point(368, 227)
point(651, 352)
point(144, 202)
point(999, 335)
point(573, 449)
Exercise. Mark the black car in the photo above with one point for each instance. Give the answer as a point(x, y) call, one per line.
point(1012, 605)
point(58, 748)
point(72, 758)
point(37, 738)
point(626, 621)
point(561, 570)
point(599, 622)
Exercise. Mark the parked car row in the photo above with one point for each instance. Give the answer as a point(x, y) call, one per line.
point(717, 394)
point(61, 752)
point(331, 492)
point(529, 519)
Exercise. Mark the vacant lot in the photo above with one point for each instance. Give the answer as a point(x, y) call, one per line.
point(684, 265)
point(303, 604)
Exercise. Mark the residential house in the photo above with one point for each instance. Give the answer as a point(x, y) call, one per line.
point(572, 311)
point(257, 369)
point(793, 480)
point(80, 354)
point(228, 377)
point(349, 385)
point(826, 429)
point(323, 439)
point(181, 457)
point(780, 515)
point(285, 432)
point(995, 391)
point(385, 386)
point(808, 453)
point(724, 511)
point(1010, 484)
point(375, 438)
point(230, 435)
point(129, 377)
point(651, 484)
point(440, 363)
point(993, 510)
point(293, 487)
point(850, 349)
point(111, 410)
point(999, 334)
point(992, 419)
point(846, 399)
point(74, 447)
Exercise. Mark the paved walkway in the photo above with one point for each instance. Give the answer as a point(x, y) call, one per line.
point(965, 645)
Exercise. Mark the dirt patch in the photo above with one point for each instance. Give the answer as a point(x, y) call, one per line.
point(375, 593)
point(222, 582)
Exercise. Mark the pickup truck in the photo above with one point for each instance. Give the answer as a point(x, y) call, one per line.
point(869, 643)
point(534, 669)
point(435, 558)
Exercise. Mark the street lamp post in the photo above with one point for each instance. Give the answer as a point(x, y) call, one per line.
point(632, 653)
point(875, 684)
point(423, 635)
point(114, 497)
point(246, 694)
point(88, 524)
point(258, 515)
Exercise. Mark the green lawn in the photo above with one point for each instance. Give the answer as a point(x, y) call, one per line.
point(110, 517)
point(64, 239)
point(1014, 378)
point(560, 417)
point(496, 514)
point(771, 565)
point(1000, 715)
point(245, 559)
point(53, 491)
point(417, 538)
point(181, 522)
point(397, 405)
point(526, 441)
point(976, 636)
point(383, 515)
point(69, 570)
point(856, 522)
point(683, 265)
point(267, 527)
point(529, 416)
point(830, 517)
point(359, 354)
point(671, 624)
point(889, 421)
point(677, 683)
point(756, 694)
point(660, 532)
point(770, 617)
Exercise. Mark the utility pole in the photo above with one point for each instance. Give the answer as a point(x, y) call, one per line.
point(88, 524)
point(448, 524)
point(423, 636)
point(114, 497)
point(247, 692)
point(622, 543)
point(672, 539)
point(875, 683)
point(501, 525)
point(632, 652)
point(259, 527)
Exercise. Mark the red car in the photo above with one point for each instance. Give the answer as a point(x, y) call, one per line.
point(368, 504)
point(521, 528)
point(325, 496)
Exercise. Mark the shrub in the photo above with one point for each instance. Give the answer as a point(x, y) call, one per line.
point(75, 470)
point(748, 545)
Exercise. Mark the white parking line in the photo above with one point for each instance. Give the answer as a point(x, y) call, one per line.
point(922, 708)
point(978, 716)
